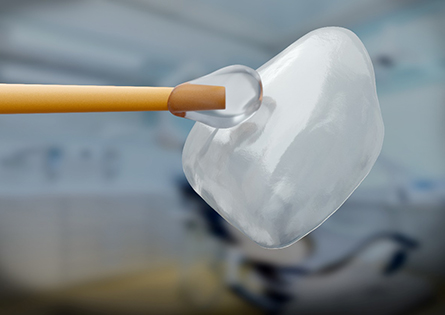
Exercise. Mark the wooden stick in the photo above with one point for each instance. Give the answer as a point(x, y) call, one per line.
point(36, 98)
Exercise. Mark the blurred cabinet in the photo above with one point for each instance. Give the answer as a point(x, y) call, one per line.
point(30, 241)
point(52, 241)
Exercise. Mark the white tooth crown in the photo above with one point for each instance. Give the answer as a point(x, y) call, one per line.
point(316, 136)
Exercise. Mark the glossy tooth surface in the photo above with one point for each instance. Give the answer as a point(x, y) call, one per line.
point(316, 136)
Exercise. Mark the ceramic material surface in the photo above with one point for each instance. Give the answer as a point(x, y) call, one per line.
point(316, 136)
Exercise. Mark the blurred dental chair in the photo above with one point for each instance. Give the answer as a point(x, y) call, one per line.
point(355, 246)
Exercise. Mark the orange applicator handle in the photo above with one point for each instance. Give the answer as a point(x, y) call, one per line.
point(35, 98)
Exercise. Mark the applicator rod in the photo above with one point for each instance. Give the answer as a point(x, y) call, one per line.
point(37, 98)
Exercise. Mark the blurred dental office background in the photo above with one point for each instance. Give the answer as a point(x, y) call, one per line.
point(96, 216)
